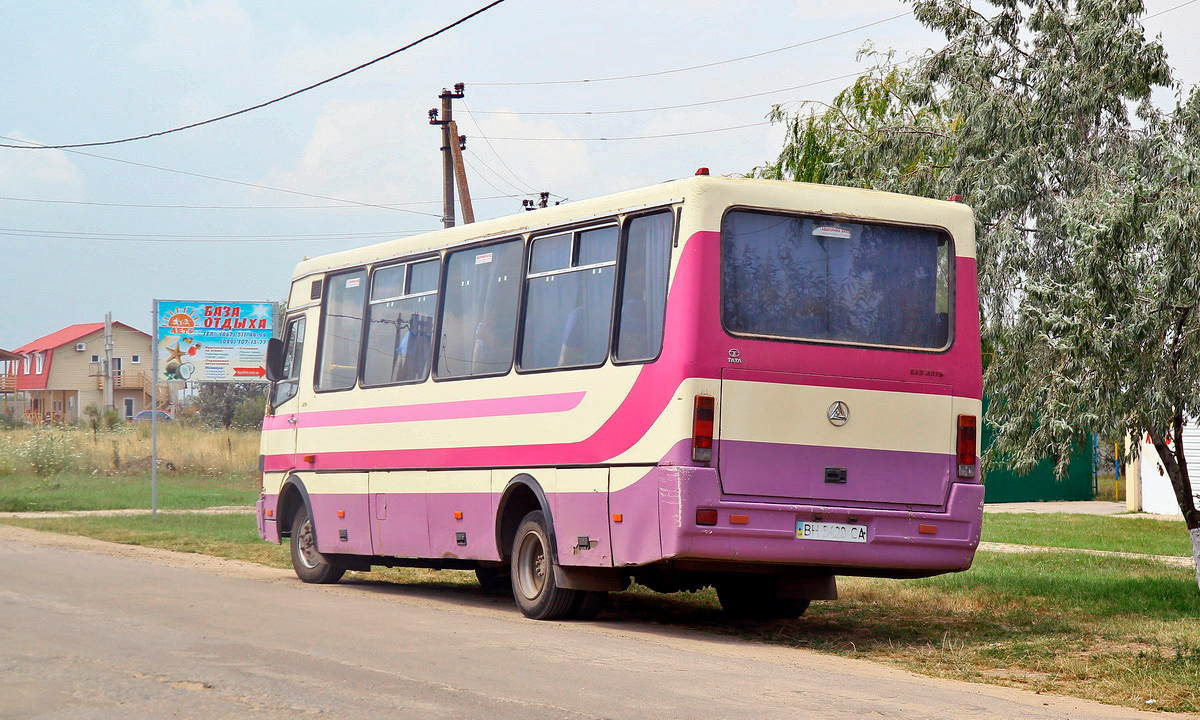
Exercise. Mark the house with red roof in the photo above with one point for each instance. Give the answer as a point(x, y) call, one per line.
point(56, 376)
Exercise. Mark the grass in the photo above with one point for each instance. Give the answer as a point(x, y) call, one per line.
point(126, 449)
point(72, 468)
point(229, 536)
point(1111, 629)
point(74, 491)
point(1089, 532)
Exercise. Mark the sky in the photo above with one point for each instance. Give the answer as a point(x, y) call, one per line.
point(225, 211)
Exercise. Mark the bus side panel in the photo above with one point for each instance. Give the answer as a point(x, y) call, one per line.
point(460, 515)
point(634, 520)
point(580, 508)
point(341, 515)
point(399, 513)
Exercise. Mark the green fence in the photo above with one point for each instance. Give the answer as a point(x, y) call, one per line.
point(1002, 485)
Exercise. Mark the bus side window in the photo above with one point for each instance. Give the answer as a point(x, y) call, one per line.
point(341, 330)
point(293, 350)
point(400, 323)
point(568, 310)
point(479, 312)
point(646, 266)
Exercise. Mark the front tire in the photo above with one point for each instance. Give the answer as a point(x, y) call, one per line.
point(534, 588)
point(310, 564)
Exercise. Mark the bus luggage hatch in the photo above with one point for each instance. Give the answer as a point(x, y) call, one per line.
point(817, 438)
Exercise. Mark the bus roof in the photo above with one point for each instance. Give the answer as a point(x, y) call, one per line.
point(719, 192)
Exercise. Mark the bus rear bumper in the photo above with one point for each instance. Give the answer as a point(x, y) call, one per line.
point(898, 542)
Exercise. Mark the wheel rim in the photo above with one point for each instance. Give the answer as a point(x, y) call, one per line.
point(306, 544)
point(531, 565)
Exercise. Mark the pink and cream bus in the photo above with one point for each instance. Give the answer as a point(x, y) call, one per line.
point(749, 384)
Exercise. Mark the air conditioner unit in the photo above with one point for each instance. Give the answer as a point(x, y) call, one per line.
point(80, 347)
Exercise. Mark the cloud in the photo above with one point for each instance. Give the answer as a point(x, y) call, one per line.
point(376, 151)
point(195, 31)
point(38, 172)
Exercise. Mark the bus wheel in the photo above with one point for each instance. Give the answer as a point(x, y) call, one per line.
point(533, 584)
point(750, 597)
point(310, 564)
point(587, 605)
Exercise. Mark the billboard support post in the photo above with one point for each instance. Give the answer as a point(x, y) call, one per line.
point(206, 341)
point(154, 418)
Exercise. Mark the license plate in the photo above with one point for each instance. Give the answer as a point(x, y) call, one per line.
point(834, 532)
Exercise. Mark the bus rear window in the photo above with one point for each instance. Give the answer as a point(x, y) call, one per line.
point(825, 280)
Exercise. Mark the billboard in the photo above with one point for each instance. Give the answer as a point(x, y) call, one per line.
point(212, 341)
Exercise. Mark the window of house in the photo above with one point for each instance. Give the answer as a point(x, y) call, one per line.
point(400, 323)
point(40, 358)
point(479, 313)
point(25, 365)
point(135, 359)
point(95, 358)
point(568, 311)
point(341, 330)
point(645, 267)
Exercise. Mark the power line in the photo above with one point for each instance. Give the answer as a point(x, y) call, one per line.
point(676, 107)
point(1164, 12)
point(292, 94)
point(489, 144)
point(484, 178)
point(168, 206)
point(345, 235)
point(168, 238)
point(636, 137)
point(697, 67)
point(233, 182)
point(501, 178)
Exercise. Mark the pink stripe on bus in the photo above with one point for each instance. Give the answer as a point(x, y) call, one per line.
point(695, 346)
point(455, 410)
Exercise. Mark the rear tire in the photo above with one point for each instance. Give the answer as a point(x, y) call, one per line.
point(753, 597)
point(310, 564)
point(587, 605)
point(537, 594)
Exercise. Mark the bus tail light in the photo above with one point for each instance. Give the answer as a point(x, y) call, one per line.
point(706, 516)
point(702, 428)
point(967, 459)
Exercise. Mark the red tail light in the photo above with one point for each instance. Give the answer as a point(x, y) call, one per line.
point(968, 463)
point(702, 428)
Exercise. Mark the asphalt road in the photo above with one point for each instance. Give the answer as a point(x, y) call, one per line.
point(94, 630)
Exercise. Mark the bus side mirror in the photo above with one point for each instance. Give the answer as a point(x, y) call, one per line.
point(275, 360)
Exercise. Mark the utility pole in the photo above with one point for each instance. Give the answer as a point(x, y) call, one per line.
point(108, 358)
point(460, 173)
point(445, 120)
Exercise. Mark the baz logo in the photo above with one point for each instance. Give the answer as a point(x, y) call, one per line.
point(838, 414)
point(735, 355)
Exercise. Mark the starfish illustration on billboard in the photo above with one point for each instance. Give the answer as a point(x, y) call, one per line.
point(175, 353)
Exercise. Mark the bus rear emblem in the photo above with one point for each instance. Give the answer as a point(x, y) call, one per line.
point(735, 355)
point(838, 413)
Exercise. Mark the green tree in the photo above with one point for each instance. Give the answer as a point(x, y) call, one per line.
point(1088, 217)
point(231, 404)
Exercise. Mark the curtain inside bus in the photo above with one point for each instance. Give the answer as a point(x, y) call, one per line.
point(569, 308)
point(479, 316)
point(821, 279)
point(647, 264)
point(341, 330)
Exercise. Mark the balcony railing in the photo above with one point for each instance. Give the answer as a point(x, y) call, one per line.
point(8, 383)
point(127, 381)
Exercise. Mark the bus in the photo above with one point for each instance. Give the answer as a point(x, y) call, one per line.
point(747, 384)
